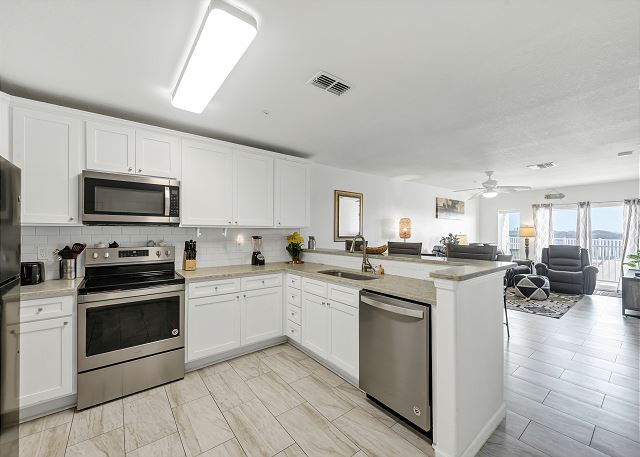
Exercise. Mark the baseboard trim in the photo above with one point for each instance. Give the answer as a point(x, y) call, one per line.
point(326, 364)
point(47, 407)
point(232, 354)
point(481, 438)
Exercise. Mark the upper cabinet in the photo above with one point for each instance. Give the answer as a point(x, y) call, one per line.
point(253, 189)
point(111, 147)
point(292, 194)
point(207, 183)
point(122, 148)
point(4, 126)
point(47, 147)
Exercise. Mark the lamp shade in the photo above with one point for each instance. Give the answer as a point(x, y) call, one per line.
point(526, 231)
point(405, 228)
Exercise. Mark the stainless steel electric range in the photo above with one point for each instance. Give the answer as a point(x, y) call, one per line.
point(130, 323)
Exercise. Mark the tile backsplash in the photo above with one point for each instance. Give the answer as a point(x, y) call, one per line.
point(213, 247)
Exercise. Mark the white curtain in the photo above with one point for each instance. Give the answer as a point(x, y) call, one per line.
point(583, 230)
point(631, 233)
point(503, 232)
point(543, 225)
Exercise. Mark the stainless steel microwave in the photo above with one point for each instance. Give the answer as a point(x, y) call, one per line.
point(119, 199)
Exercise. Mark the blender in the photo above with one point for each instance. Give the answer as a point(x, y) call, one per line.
point(257, 258)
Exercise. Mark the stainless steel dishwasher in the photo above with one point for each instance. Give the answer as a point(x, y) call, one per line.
point(395, 355)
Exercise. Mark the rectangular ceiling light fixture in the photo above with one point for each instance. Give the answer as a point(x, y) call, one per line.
point(221, 42)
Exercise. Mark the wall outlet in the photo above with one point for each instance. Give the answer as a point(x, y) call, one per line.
point(43, 253)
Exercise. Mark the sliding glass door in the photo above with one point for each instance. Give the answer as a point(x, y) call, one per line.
point(508, 229)
point(606, 241)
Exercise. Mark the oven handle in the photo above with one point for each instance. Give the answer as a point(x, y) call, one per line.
point(167, 203)
point(105, 297)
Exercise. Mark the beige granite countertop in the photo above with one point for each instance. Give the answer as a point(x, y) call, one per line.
point(452, 269)
point(50, 288)
point(421, 290)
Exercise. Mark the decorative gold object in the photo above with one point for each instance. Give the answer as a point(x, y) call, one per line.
point(347, 215)
point(405, 228)
point(373, 250)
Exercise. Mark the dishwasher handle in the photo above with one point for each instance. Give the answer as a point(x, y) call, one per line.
point(393, 306)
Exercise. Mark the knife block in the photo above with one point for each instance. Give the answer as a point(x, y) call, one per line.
point(188, 265)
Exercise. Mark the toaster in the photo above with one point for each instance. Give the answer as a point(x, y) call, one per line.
point(31, 273)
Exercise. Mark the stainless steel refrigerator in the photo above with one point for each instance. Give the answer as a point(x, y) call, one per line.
point(9, 307)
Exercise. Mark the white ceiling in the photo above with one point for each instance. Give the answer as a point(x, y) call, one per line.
point(441, 89)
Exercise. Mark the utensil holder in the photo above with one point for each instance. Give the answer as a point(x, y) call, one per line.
point(68, 269)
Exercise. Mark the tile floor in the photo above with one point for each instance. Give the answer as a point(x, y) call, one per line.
point(571, 387)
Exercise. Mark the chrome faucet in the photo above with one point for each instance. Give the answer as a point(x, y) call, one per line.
point(366, 265)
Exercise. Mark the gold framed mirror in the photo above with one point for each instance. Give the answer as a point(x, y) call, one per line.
point(347, 215)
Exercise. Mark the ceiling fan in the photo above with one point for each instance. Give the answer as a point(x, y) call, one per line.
point(491, 189)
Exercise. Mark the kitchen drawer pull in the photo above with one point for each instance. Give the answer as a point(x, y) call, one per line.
point(393, 308)
point(40, 310)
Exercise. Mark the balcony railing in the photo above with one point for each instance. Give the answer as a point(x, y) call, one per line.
point(605, 254)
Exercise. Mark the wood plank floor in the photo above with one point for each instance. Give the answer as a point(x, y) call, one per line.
point(571, 384)
point(571, 388)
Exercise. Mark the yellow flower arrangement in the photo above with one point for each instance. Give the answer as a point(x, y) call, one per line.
point(294, 248)
point(295, 238)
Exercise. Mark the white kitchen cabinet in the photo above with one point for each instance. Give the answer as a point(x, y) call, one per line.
point(253, 189)
point(47, 147)
point(157, 154)
point(262, 315)
point(110, 147)
point(46, 359)
point(5, 145)
point(207, 184)
point(214, 325)
point(315, 324)
point(292, 194)
point(343, 337)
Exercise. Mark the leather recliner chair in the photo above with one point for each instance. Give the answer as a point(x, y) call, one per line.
point(569, 269)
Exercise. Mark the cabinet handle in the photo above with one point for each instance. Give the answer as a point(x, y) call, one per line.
point(71, 218)
point(229, 222)
point(236, 222)
point(329, 304)
point(65, 323)
point(139, 170)
point(244, 295)
point(279, 223)
point(215, 288)
point(130, 168)
point(263, 281)
point(39, 310)
point(237, 297)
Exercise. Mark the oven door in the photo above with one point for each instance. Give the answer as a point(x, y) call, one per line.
point(109, 198)
point(115, 327)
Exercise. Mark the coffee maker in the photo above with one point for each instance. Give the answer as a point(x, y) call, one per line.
point(257, 258)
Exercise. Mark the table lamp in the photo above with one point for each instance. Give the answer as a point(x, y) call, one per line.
point(405, 228)
point(526, 232)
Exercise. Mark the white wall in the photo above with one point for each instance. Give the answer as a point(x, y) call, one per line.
point(522, 201)
point(385, 202)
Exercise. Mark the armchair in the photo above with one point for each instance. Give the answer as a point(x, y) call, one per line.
point(569, 269)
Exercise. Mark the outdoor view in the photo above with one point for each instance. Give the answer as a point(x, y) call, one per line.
point(606, 237)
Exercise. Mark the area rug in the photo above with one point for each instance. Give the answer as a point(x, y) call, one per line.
point(555, 306)
point(608, 293)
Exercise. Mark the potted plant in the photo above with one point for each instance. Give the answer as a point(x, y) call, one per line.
point(634, 261)
point(449, 240)
point(294, 246)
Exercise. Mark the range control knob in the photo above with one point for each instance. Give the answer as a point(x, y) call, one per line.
point(167, 253)
point(158, 253)
point(106, 255)
point(95, 255)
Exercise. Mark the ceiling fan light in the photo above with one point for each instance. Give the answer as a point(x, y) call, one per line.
point(219, 46)
point(490, 194)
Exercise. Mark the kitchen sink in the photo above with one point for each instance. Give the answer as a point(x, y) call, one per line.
point(347, 275)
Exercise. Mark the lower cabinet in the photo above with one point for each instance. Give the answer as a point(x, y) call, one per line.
point(343, 337)
point(262, 314)
point(46, 359)
point(214, 325)
point(315, 324)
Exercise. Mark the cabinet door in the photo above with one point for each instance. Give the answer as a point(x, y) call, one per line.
point(157, 154)
point(253, 189)
point(110, 147)
point(46, 360)
point(46, 146)
point(213, 325)
point(292, 194)
point(343, 337)
point(262, 315)
point(207, 184)
point(315, 324)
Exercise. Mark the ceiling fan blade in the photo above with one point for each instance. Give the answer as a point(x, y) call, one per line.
point(506, 189)
point(469, 190)
point(476, 195)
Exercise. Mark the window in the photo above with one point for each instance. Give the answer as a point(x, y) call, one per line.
point(565, 220)
point(606, 241)
point(508, 228)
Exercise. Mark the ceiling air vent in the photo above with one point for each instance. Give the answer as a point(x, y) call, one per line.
point(542, 166)
point(330, 83)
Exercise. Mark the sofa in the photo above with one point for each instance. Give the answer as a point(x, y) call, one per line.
point(569, 269)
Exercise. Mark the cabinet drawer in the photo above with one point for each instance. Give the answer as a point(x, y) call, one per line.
point(45, 308)
point(293, 281)
point(209, 288)
point(313, 286)
point(293, 331)
point(293, 314)
point(342, 294)
point(261, 282)
point(294, 297)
